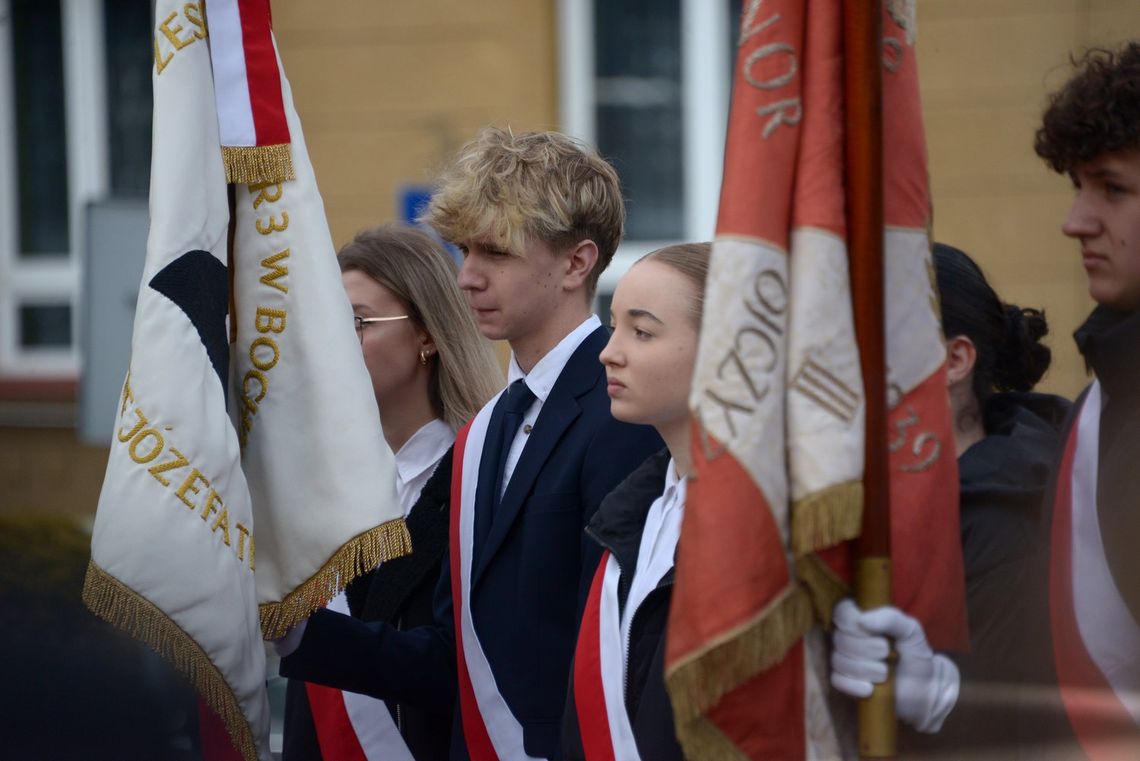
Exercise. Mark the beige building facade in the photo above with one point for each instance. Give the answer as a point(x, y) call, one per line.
point(388, 90)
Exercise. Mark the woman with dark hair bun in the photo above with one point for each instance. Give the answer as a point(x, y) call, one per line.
point(1006, 438)
point(994, 350)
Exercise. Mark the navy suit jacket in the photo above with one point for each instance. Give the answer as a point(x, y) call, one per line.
point(530, 581)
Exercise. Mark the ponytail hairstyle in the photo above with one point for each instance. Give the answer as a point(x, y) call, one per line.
point(410, 264)
point(692, 261)
point(1007, 337)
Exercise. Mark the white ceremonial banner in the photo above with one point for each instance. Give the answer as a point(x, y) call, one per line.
point(172, 553)
point(321, 475)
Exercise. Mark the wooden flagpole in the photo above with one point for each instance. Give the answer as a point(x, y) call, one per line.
point(865, 219)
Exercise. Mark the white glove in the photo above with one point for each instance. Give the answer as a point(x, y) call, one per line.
point(926, 684)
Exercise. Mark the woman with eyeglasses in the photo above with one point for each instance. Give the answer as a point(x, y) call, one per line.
point(431, 372)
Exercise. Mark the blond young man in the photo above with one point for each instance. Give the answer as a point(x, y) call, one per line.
point(537, 216)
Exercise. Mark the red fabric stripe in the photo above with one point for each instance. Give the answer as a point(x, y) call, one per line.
point(215, 738)
point(764, 717)
point(927, 576)
point(763, 133)
point(335, 733)
point(906, 184)
point(819, 182)
point(730, 560)
point(730, 566)
point(589, 697)
point(1099, 720)
point(479, 746)
point(265, 98)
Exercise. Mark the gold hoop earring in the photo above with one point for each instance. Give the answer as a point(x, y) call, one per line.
point(423, 356)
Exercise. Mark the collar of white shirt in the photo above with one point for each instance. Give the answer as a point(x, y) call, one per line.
point(545, 372)
point(420, 454)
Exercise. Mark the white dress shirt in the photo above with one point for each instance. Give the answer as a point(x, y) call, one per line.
point(658, 549)
point(416, 460)
point(540, 380)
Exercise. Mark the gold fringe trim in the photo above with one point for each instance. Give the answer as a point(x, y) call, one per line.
point(827, 517)
point(702, 678)
point(701, 740)
point(253, 164)
point(822, 585)
point(358, 556)
point(118, 604)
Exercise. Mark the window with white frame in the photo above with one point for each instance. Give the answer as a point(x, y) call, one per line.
point(75, 107)
point(647, 82)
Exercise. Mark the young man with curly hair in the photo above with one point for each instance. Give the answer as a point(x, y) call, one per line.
point(1091, 132)
point(1078, 652)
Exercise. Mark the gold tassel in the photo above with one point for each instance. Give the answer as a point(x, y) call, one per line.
point(118, 604)
point(254, 164)
point(827, 517)
point(697, 683)
point(701, 739)
point(822, 586)
point(358, 556)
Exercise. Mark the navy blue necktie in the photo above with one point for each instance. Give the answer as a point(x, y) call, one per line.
point(505, 420)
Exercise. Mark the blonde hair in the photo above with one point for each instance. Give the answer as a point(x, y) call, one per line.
point(464, 371)
point(692, 261)
point(503, 188)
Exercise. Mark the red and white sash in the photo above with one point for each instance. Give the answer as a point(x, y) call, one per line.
point(353, 727)
point(489, 727)
point(1096, 642)
point(599, 676)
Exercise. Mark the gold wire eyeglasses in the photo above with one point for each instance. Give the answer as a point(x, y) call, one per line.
point(362, 321)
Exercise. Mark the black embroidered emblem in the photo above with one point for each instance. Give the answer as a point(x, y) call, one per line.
point(200, 286)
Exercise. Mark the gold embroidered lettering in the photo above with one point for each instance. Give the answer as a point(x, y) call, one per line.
point(160, 62)
point(223, 521)
point(179, 461)
point(211, 506)
point(262, 387)
point(243, 532)
point(125, 437)
point(273, 226)
point(149, 433)
point(262, 196)
point(246, 425)
point(193, 13)
point(277, 271)
point(190, 485)
point(171, 33)
point(269, 320)
point(145, 442)
point(264, 365)
point(128, 397)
